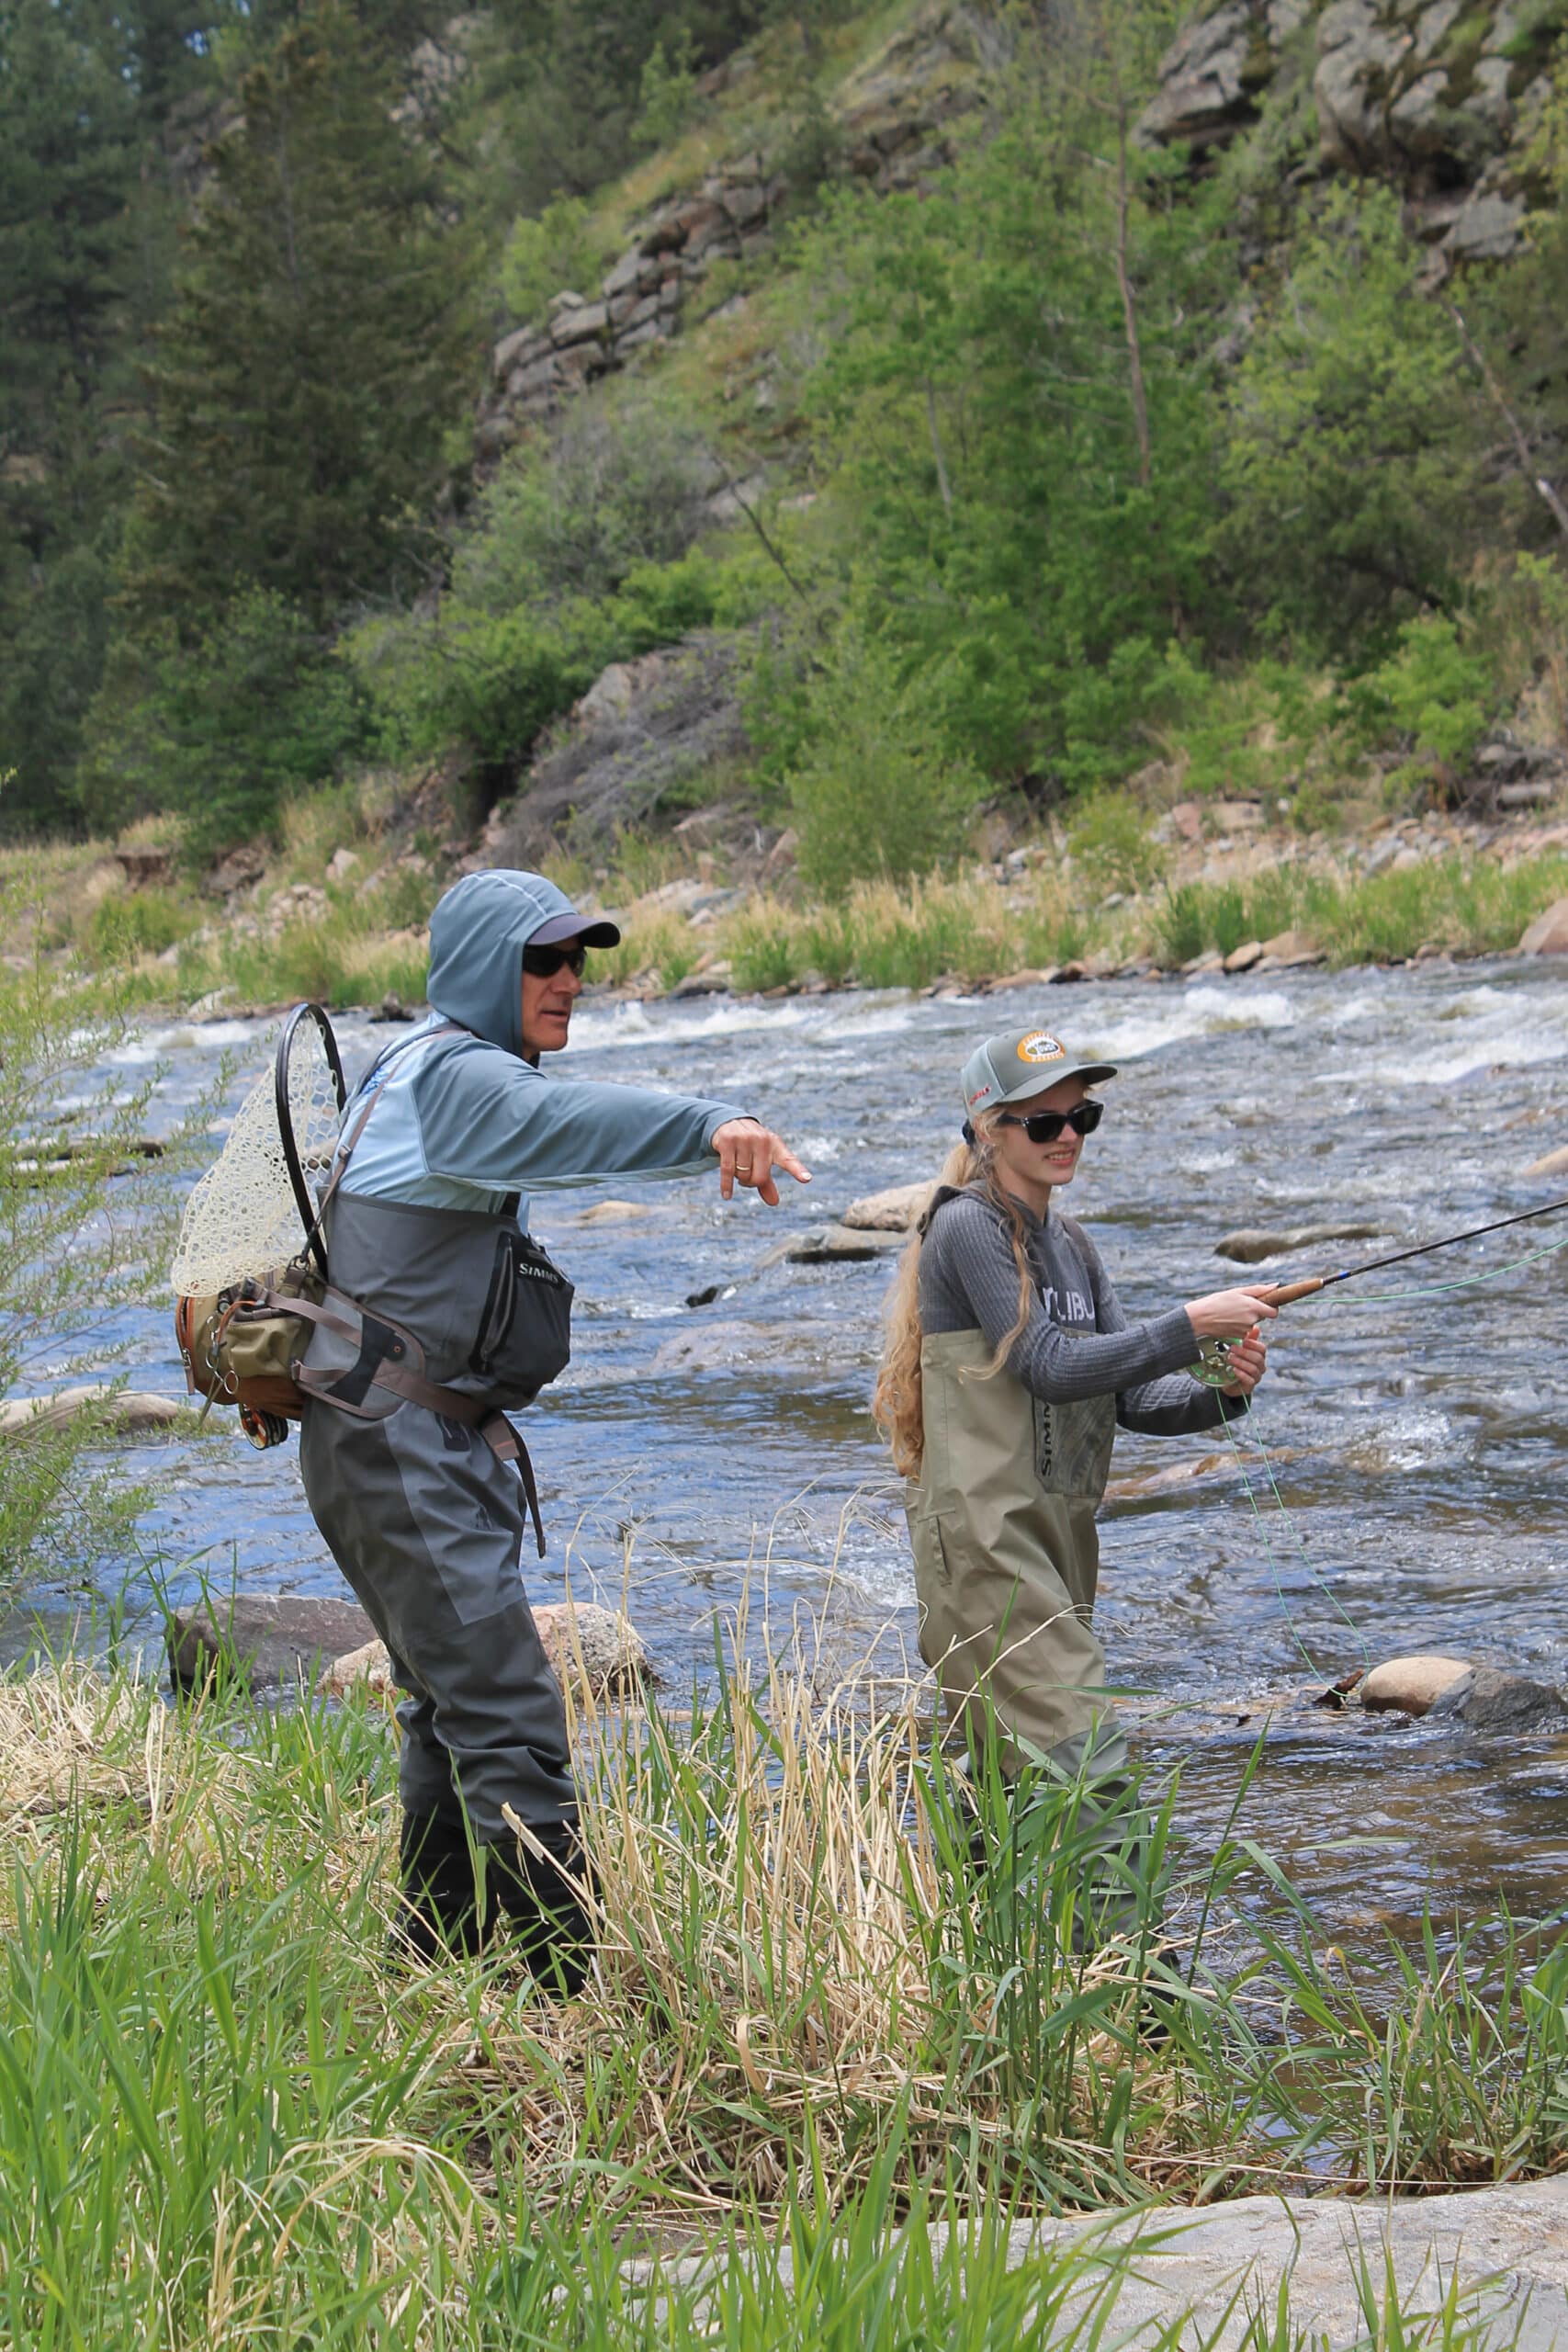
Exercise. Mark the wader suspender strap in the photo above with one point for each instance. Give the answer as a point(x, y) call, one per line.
point(382, 1346)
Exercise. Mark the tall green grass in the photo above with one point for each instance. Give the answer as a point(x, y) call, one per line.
point(1469, 906)
point(842, 1995)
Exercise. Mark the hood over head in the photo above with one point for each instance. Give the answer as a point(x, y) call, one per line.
point(478, 934)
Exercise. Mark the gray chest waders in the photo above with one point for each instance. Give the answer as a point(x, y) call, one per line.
point(459, 1313)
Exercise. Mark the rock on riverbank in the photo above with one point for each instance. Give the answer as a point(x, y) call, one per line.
point(271, 1639)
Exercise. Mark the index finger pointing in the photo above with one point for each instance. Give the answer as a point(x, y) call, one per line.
point(784, 1158)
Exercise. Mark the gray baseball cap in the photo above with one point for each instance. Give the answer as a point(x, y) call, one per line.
point(1023, 1062)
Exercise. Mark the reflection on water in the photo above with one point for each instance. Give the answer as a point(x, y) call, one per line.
point(1419, 1439)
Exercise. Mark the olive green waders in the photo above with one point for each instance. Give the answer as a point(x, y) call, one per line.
point(1007, 1560)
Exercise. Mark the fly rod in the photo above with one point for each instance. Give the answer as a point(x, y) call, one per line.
point(1214, 1366)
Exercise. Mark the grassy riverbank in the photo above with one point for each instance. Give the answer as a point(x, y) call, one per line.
point(351, 933)
point(223, 2119)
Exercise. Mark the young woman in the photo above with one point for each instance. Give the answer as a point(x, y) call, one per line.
point(1008, 1363)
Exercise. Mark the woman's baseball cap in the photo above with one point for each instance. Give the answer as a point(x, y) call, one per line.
point(1024, 1062)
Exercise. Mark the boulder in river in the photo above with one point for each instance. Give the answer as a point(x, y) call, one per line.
point(263, 1638)
point(1241, 959)
point(1488, 1698)
point(595, 1650)
point(128, 1412)
point(1410, 1686)
point(1554, 1163)
point(615, 1213)
point(1255, 1243)
point(893, 1211)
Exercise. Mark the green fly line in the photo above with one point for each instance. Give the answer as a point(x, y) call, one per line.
point(1370, 1298)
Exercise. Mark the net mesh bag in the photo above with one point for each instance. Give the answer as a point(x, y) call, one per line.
point(241, 1218)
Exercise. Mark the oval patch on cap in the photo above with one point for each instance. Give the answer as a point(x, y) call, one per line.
point(1041, 1046)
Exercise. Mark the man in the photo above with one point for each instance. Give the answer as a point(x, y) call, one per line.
point(425, 1229)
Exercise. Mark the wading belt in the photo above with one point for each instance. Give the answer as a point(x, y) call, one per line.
point(388, 1356)
point(391, 1358)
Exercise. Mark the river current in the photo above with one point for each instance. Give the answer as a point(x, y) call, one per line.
point(1419, 1442)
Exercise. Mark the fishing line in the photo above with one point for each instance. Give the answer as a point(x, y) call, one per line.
point(1314, 1572)
point(1370, 1298)
point(1488, 1275)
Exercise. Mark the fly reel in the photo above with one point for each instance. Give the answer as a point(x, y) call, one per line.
point(1213, 1368)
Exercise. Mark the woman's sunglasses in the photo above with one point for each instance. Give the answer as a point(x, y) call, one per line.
point(1044, 1126)
point(543, 963)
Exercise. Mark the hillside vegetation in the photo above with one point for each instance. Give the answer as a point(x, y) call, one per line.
point(1031, 409)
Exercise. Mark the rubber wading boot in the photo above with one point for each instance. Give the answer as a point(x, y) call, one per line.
point(537, 1897)
point(438, 1915)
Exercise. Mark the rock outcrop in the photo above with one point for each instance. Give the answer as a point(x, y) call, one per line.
point(641, 727)
point(889, 127)
point(1434, 94)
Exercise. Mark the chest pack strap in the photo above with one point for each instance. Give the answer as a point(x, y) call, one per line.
point(390, 1358)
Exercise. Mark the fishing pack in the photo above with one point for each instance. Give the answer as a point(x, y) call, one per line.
point(261, 1326)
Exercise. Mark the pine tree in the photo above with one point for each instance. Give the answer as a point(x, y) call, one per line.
point(67, 176)
point(321, 342)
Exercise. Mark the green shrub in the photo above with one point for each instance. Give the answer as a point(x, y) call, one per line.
point(494, 681)
point(1180, 923)
point(877, 793)
point(555, 252)
point(667, 95)
point(1109, 838)
point(139, 922)
point(1432, 694)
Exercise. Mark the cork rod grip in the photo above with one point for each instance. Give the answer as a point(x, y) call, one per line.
point(1281, 1293)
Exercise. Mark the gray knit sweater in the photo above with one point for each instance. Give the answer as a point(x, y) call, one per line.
point(1078, 1343)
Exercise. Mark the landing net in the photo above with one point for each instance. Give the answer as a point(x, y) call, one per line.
point(243, 1217)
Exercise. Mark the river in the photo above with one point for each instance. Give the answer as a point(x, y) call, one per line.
point(1419, 1442)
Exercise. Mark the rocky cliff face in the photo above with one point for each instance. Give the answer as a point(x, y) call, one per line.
point(890, 125)
point(1441, 94)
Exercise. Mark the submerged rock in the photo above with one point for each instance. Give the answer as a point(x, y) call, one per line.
point(1253, 1243)
point(824, 1244)
point(1410, 1686)
point(615, 1213)
point(1488, 1698)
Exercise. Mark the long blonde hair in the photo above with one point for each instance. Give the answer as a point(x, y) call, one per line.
point(896, 1402)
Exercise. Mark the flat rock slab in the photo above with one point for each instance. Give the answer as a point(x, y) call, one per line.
point(1200, 2279)
point(1253, 1244)
point(1507, 2248)
point(266, 1639)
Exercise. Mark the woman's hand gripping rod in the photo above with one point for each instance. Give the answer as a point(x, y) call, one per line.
point(1213, 1365)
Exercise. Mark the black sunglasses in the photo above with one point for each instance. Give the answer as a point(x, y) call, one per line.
point(1044, 1126)
point(543, 963)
